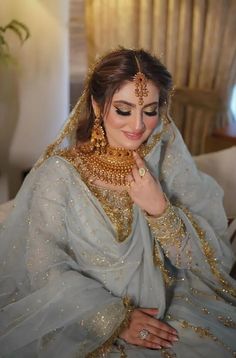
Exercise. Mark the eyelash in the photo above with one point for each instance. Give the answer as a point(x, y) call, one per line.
point(122, 113)
point(128, 113)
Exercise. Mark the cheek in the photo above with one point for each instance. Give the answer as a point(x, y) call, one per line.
point(113, 122)
point(151, 123)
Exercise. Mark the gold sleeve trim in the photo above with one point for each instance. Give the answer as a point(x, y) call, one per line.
point(209, 253)
point(168, 228)
point(107, 345)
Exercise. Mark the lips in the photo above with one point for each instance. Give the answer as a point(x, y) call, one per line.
point(133, 136)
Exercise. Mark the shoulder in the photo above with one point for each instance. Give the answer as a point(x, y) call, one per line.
point(54, 178)
point(54, 167)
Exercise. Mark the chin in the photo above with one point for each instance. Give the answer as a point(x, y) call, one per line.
point(131, 146)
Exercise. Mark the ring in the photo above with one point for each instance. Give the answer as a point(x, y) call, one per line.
point(142, 171)
point(143, 334)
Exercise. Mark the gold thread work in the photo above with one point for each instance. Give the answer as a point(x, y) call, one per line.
point(209, 253)
point(107, 346)
point(202, 332)
point(168, 228)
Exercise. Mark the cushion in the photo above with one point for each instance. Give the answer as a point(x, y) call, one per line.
point(221, 166)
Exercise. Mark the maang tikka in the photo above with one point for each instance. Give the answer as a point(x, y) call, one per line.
point(98, 137)
point(140, 81)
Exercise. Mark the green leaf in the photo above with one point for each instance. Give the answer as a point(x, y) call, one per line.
point(22, 27)
point(20, 30)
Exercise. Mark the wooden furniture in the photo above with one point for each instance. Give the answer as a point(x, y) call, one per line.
point(221, 138)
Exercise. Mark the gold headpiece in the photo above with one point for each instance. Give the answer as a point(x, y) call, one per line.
point(140, 81)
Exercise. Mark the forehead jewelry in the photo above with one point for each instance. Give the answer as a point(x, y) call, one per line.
point(140, 82)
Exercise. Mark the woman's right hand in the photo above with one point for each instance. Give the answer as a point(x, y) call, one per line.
point(160, 334)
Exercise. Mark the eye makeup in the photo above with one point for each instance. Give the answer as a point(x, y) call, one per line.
point(122, 112)
point(149, 111)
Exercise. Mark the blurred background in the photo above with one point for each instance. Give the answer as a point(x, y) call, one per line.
point(41, 76)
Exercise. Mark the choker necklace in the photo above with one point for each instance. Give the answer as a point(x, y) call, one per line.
point(113, 166)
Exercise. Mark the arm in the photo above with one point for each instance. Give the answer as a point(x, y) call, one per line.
point(194, 234)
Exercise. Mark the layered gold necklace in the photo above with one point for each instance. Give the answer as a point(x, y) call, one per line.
point(114, 165)
point(111, 167)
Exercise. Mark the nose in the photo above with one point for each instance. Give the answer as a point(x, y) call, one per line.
point(138, 123)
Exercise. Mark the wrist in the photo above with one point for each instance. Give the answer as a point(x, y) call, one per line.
point(162, 207)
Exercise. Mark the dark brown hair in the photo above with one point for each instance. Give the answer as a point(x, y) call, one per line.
point(109, 74)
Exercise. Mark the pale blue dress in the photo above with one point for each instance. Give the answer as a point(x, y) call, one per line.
point(64, 274)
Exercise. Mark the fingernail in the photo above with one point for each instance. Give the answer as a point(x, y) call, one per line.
point(168, 345)
point(175, 339)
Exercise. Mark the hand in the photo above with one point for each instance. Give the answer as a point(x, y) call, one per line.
point(160, 334)
point(145, 191)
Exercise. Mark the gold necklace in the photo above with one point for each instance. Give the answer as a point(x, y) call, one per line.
point(113, 166)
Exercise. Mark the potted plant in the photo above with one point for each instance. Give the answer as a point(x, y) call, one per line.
point(20, 30)
point(8, 98)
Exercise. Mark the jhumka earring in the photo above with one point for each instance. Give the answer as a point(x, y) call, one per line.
point(98, 138)
point(140, 81)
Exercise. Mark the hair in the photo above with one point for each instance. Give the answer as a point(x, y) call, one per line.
point(110, 73)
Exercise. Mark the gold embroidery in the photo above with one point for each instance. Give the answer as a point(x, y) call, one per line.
point(117, 205)
point(226, 321)
point(119, 208)
point(167, 353)
point(168, 228)
point(209, 253)
point(159, 262)
point(201, 331)
point(106, 347)
point(202, 293)
point(102, 322)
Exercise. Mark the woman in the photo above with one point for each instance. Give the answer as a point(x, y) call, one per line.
point(116, 246)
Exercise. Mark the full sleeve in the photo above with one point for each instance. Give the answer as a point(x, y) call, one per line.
point(49, 307)
point(194, 236)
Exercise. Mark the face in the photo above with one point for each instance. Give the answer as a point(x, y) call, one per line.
point(127, 123)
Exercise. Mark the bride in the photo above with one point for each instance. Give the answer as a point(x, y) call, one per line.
point(116, 245)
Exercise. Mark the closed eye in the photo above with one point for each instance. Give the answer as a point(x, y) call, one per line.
point(150, 114)
point(122, 113)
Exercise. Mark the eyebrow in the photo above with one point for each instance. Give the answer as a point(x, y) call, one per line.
point(133, 105)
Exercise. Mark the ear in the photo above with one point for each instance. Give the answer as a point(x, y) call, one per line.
point(96, 108)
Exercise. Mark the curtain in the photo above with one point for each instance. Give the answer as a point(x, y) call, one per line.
point(195, 39)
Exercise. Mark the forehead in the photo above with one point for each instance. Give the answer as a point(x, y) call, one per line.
point(127, 92)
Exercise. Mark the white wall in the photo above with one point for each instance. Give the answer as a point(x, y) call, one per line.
point(34, 94)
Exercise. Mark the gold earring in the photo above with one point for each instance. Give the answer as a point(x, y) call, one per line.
point(98, 138)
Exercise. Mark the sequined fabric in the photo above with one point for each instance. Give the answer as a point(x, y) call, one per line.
point(65, 272)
